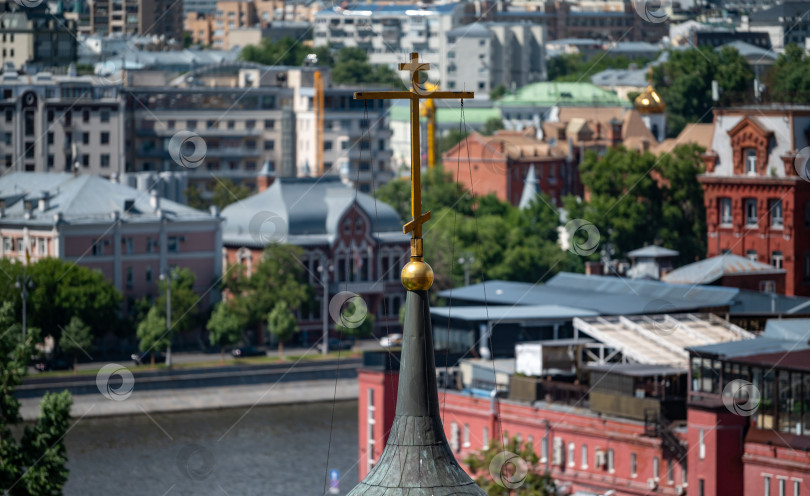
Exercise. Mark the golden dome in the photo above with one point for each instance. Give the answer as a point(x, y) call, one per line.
point(417, 276)
point(649, 102)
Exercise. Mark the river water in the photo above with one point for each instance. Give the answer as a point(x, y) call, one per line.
point(268, 451)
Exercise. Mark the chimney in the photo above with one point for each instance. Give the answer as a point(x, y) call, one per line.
point(214, 210)
point(28, 207)
point(154, 199)
point(615, 134)
point(45, 201)
point(266, 177)
point(2, 207)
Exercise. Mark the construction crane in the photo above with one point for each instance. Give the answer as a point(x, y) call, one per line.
point(317, 106)
point(429, 110)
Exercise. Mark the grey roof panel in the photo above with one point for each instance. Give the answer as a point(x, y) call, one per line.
point(790, 329)
point(652, 251)
point(517, 312)
point(746, 347)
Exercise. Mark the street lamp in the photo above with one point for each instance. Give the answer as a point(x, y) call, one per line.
point(325, 268)
point(168, 276)
point(24, 283)
point(466, 260)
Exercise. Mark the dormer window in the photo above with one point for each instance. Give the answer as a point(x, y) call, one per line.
point(750, 161)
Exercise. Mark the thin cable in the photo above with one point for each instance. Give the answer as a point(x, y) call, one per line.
point(452, 262)
point(495, 405)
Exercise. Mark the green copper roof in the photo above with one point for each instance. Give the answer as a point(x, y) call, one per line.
point(576, 94)
point(402, 113)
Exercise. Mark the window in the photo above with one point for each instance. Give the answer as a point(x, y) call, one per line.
point(269, 124)
point(751, 255)
point(105, 138)
point(725, 211)
point(86, 160)
point(485, 435)
point(584, 455)
point(130, 276)
point(776, 259)
point(750, 161)
point(327, 145)
point(149, 245)
point(776, 213)
point(105, 159)
point(129, 246)
point(7, 244)
point(670, 472)
point(633, 465)
point(796, 486)
point(250, 124)
point(43, 246)
point(610, 465)
point(702, 444)
point(466, 436)
point(454, 435)
point(191, 124)
point(269, 145)
point(807, 215)
point(750, 211)
point(105, 116)
point(544, 450)
point(85, 115)
point(766, 483)
point(370, 426)
point(655, 468)
point(572, 454)
point(172, 244)
point(701, 487)
point(170, 124)
point(782, 488)
point(50, 139)
point(20, 247)
point(148, 273)
point(85, 138)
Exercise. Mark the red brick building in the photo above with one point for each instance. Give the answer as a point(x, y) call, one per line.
point(500, 163)
point(757, 205)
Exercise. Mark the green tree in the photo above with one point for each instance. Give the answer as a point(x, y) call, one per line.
point(281, 323)
point(278, 277)
point(152, 335)
point(35, 463)
point(498, 92)
point(638, 198)
point(491, 125)
point(789, 78)
point(685, 83)
point(184, 301)
point(286, 51)
point(62, 289)
point(224, 328)
point(352, 67)
point(194, 198)
point(526, 472)
point(227, 192)
point(76, 338)
point(451, 139)
point(577, 67)
point(350, 316)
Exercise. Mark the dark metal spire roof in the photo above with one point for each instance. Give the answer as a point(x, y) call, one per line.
point(417, 461)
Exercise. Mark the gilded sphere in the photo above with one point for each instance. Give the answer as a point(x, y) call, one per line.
point(417, 276)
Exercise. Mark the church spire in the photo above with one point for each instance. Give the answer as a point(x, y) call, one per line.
point(417, 461)
point(529, 189)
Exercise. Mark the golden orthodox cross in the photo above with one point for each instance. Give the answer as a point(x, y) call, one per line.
point(414, 95)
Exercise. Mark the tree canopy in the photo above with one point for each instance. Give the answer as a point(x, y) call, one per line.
point(224, 327)
point(76, 339)
point(151, 332)
point(34, 464)
point(638, 198)
point(685, 83)
point(789, 78)
point(577, 67)
point(518, 470)
point(184, 301)
point(281, 324)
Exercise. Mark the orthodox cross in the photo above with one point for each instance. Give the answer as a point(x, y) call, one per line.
point(414, 67)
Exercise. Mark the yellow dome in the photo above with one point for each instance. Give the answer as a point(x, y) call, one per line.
point(649, 102)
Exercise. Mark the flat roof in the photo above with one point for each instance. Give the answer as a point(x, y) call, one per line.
point(515, 312)
point(637, 369)
point(739, 349)
point(790, 329)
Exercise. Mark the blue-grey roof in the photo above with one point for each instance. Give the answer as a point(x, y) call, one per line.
point(747, 347)
point(790, 329)
point(601, 294)
point(621, 77)
point(637, 369)
point(510, 313)
point(748, 50)
point(652, 251)
point(377, 8)
point(759, 303)
point(303, 211)
point(711, 269)
point(635, 47)
point(82, 199)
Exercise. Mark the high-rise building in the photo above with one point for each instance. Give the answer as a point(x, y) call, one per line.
point(141, 17)
point(35, 37)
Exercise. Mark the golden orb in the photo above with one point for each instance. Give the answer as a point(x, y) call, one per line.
point(417, 276)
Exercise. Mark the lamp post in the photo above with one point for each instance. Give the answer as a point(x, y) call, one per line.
point(325, 268)
point(167, 276)
point(24, 283)
point(466, 260)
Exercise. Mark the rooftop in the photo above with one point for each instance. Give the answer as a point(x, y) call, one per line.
point(749, 347)
point(551, 94)
point(82, 199)
point(510, 313)
point(652, 251)
point(637, 369)
point(791, 329)
point(660, 339)
point(303, 211)
point(711, 269)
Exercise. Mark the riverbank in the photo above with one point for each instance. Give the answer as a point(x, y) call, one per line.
point(204, 398)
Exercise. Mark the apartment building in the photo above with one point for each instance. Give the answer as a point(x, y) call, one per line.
point(54, 123)
point(140, 17)
point(36, 37)
point(389, 32)
point(482, 56)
